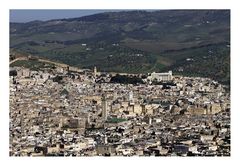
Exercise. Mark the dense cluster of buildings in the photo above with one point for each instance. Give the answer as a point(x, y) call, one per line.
point(55, 112)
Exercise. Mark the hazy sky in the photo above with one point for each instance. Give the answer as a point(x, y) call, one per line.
point(31, 15)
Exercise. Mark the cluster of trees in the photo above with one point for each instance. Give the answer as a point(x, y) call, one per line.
point(164, 83)
point(124, 79)
point(13, 73)
point(58, 79)
point(210, 61)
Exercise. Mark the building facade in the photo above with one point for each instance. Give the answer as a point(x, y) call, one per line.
point(161, 76)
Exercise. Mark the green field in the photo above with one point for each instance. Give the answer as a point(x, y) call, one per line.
point(116, 120)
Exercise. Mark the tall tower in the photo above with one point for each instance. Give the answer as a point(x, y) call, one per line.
point(22, 125)
point(105, 139)
point(184, 86)
point(95, 71)
point(149, 120)
point(88, 118)
point(131, 101)
point(104, 108)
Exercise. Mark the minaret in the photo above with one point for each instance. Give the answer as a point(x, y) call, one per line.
point(131, 101)
point(104, 108)
point(130, 96)
point(88, 120)
point(60, 123)
point(105, 139)
point(150, 120)
point(22, 125)
point(95, 71)
point(184, 87)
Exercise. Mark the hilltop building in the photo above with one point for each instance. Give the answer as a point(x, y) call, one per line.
point(161, 76)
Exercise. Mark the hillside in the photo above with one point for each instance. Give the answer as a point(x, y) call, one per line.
point(191, 42)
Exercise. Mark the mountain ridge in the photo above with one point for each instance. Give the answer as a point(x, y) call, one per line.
point(132, 41)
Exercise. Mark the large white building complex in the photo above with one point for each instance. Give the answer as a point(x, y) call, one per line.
point(161, 76)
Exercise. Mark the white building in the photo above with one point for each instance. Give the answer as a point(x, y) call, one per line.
point(161, 76)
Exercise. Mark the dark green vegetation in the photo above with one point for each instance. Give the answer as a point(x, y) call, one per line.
point(59, 79)
point(12, 73)
point(123, 79)
point(134, 41)
point(32, 64)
